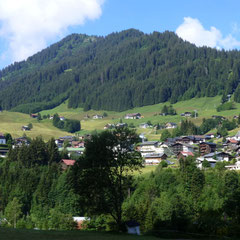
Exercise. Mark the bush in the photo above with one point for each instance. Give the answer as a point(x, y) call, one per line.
point(60, 221)
point(226, 106)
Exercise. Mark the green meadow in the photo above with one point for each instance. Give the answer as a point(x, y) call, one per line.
point(206, 107)
point(12, 122)
point(17, 234)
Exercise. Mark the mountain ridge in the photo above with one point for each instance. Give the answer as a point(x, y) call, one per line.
point(118, 72)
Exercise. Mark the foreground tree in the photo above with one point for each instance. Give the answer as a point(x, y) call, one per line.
point(13, 212)
point(105, 172)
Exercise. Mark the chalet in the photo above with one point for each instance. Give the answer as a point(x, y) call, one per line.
point(59, 142)
point(142, 137)
point(62, 118)
point(213, 158)
point(231, 144)
point(77, 144)
point(183, 155)
point(133, 116)
point(207, 147)
point(199, 138)
point(2, 139)
point(3, 151)
point(145, 125)
point(237, 136)
point(97, 116)
point(73, 150)
point(133, 227)
point(209, 136)
point(109, 126)
point(33, 115)
point(80, 221)
point(154, 158)
point(20, 141)
point(171, 141)
point(121, 125)
point(164, 148)
point(170, 125)
point(65, 163)
point(190, 139)
point(187, 140)
point(236, 150)
point(68, 138)
point(176, 148)
point(186, 114)
point(25, 128)
point(84, 137)
point(236, 117)
point(218, 117)
point(235, 166)
point(180, 147)
point(150, 147)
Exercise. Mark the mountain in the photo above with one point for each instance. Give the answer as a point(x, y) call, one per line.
point(118, 72)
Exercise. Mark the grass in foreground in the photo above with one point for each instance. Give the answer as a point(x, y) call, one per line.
point(23, 234)
point(17, 234)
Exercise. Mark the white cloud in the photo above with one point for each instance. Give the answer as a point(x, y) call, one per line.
point(193, 31)
point(29, 24)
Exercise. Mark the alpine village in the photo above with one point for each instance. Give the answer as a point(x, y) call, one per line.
point(130, 135)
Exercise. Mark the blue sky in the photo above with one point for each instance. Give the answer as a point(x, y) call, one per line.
point(28, 26)
point(161, 15)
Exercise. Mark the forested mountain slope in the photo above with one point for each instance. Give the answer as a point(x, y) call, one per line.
point(117, 72)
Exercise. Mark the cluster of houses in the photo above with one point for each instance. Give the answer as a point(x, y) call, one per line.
point(133, 116)
point(168, 125)
point(96, 116)
point(112, 126)
point(154, 152)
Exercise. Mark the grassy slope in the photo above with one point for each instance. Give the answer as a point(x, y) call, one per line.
point(206, 107)
point(12, 122)
point(13, 234)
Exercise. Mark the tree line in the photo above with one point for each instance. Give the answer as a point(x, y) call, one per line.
point(69, 125)
point(187, 127)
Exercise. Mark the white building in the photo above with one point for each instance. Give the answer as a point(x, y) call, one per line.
point(150, 147)
point(237, 136)
point(213, 158)
point(153, 147)
point(2, 139)
point(97, 116)
point(133, 116)
point(235, 166)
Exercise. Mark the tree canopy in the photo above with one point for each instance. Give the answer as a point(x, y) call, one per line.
point(104, 174)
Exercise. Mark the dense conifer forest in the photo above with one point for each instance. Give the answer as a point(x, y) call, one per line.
point(118, 72)
point(37, 193)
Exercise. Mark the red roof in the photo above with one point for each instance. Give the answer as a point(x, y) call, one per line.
point(233, 141)
point(69, 162)
point(187, 153)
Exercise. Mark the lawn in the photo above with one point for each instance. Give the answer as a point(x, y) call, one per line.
point(17, 234)
point(23, 234)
